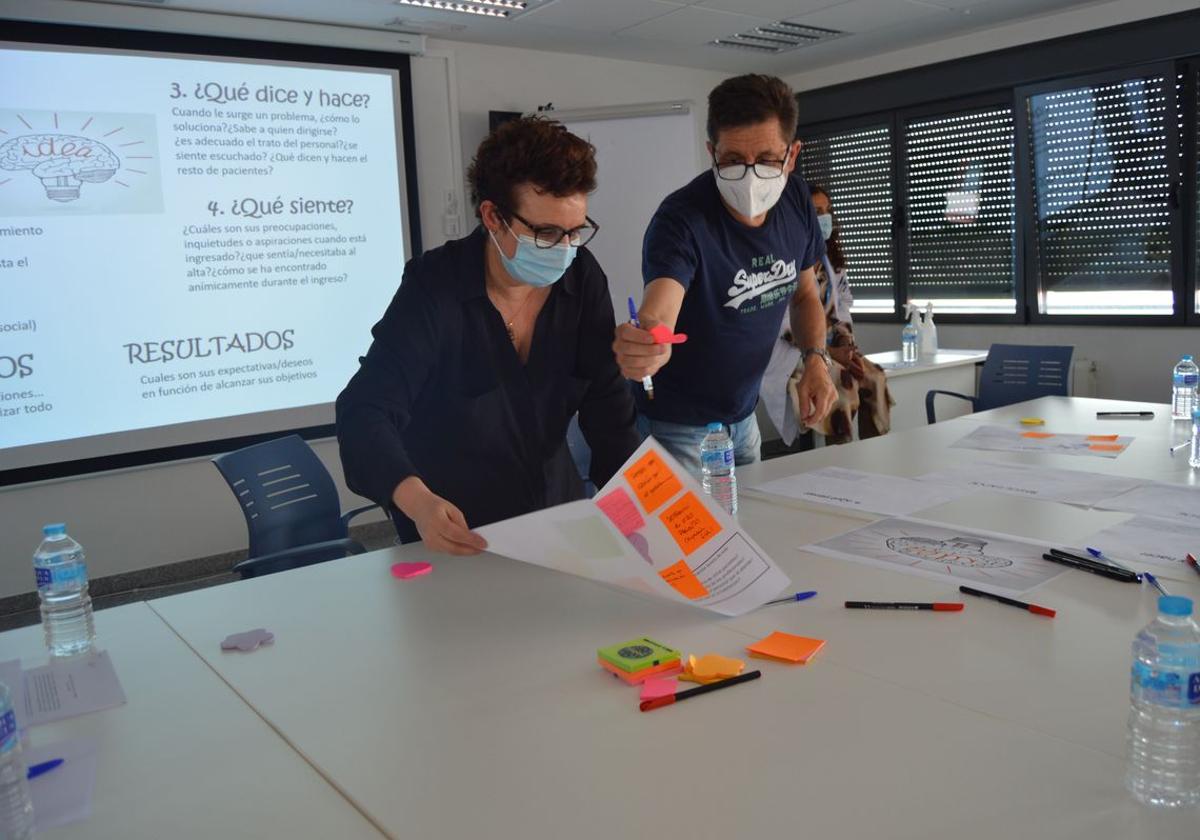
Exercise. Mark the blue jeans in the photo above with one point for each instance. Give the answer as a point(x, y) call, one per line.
point(684, 441)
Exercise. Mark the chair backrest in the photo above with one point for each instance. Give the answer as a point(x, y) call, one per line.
point(1014, 373)
point(286, 494)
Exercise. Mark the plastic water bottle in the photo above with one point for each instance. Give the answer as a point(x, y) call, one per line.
point(63, 587)
point(1185, 380)
point(716, 467)
point(1194, 458)
point(1164, 723)
point(16, 806)
point(910, 336)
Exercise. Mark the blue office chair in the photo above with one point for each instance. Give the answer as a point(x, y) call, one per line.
point(1014, 373)
point(291, 506)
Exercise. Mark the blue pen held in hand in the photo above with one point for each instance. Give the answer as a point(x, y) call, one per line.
point(647, 382)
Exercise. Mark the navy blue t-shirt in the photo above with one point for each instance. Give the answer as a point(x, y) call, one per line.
point(739, 281)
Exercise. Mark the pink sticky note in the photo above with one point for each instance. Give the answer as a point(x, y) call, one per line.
point(404, 571)
point(656, 687)
point(663, 335)
point(621, 511)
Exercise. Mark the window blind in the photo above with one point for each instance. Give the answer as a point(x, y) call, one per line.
point(856, 167)
point(1101, 183)
point(959, 196)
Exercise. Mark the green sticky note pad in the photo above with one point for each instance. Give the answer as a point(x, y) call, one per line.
point(638, 654)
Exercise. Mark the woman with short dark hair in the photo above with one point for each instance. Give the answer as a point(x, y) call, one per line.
point(458, 414)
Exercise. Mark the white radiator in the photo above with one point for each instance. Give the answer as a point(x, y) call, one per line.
point(1084, 376)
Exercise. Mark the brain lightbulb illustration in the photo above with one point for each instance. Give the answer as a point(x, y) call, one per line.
point(62, 162)
point(960, 551)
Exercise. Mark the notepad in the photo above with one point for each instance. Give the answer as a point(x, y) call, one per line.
point(784, 647)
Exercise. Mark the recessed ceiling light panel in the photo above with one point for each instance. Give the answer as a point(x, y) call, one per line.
point(777, 37)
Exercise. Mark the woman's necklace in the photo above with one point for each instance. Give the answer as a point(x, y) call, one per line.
point(508, 324)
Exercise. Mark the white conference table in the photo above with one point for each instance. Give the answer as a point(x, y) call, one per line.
point(185, 757)
point(468, 702)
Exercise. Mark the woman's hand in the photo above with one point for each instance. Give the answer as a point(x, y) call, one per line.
point(441, 525)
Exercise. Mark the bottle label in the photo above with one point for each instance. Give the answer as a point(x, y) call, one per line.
point(8, 725)
point(1187, 379)
point(73, 574)
point(717, 460)
point(1171, 689)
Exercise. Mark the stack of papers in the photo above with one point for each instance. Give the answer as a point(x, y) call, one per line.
point(1005, 439)
point(1072, 487)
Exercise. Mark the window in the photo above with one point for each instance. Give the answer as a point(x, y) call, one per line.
point(855, 165)
point(959, 197)
point(1196, 187)
point(1102, 200)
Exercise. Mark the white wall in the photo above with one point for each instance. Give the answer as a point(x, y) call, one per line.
point(164, 514)
point(1134, 362)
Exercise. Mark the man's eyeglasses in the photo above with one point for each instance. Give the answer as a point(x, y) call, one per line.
point(547, 236)
point(762, 168)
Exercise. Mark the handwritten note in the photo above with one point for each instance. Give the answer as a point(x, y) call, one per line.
point(690, 523)
point(652, 481)
point(621, 511)
point(684, 580)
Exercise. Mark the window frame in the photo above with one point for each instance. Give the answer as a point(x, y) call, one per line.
point(878, 118)
point(1026, 214)
point(1189, 197)
point(950, 108)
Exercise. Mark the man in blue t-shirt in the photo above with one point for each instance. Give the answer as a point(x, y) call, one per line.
point(723, 259)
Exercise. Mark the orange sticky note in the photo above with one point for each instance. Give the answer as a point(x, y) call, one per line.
point(681, 576)
point(1038, 435)
point(785, 647)
point(1106, 447)
point(1102, 437)
point(652, 481)
point(621, 511)
point(690, 523)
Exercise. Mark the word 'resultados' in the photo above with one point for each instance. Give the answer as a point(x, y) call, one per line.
point(171, 349)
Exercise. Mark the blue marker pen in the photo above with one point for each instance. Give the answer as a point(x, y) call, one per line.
point(647, 382)
point(1153, 581)
point(45, 767)
point(1100, 555)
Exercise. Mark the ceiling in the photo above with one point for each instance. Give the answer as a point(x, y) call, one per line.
point(674, 32)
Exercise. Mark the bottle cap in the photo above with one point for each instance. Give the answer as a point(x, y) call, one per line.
point(716, 427)
point(1187, 358)
point(1175, 605)
point(54, 529)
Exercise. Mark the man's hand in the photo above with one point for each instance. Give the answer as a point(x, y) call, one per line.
point(638, 355)
point(441, 525)
point(816, 392)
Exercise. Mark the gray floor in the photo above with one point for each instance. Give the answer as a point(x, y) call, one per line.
point(160, 581)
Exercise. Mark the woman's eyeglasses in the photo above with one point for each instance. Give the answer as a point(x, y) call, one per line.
point(547, 236)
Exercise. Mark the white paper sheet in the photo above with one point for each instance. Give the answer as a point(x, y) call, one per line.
point(1023, 439)
point(1176, 502)
point(64, 795)
point(872, 492)
point(942, 552)
point(1151, 541)
point(1073, 487)
point(70, 687)
point(652, 530)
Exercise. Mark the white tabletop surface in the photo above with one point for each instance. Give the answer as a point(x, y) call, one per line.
point(468, 702)
point(185, 757)
point(893, 361)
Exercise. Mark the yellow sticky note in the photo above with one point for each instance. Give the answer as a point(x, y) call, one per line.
point(690, 523)
point(652, 481)
point(785, 647)
point(1032, 421)
point(680, 576)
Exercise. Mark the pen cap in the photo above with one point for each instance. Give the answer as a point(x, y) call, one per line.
point(1175, 605)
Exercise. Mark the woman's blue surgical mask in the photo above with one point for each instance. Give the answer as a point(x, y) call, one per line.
point(825, 220)
point(532, 265)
